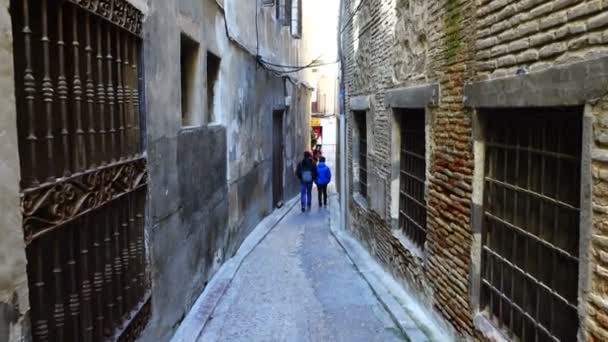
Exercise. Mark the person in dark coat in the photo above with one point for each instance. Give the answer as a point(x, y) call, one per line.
point(307, 174)
point(323, 179)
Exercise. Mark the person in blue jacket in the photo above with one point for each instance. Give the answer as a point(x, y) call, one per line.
point(323, 179)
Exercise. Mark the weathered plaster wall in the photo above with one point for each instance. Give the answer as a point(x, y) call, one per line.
point(14, 301)
point(211, 184)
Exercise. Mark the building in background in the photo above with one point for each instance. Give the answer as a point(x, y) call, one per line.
point(320, 28)
point(478, 159)
point(142, 141)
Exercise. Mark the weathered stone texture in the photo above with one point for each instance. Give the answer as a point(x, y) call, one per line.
point(538, 34)
point(468, 41)
point(597, 307)
point(400, 47)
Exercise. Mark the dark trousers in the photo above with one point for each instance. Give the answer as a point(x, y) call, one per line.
point(306, 194)
point(322, 190)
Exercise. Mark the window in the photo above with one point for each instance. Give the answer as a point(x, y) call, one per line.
point(530, 233)
point(284, 12)
point(412, 176)
point(268, 2)
point(189, 67)
point(296, 19)
point(362, 155)
point(213, 70)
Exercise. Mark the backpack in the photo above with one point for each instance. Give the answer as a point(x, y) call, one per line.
point(307, 176)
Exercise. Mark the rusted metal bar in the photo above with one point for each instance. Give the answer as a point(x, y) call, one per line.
point(108, 274)
point(72, 278)
point(110, 97)
point(59, 309)
point(79, 143)
point(29, 89)
point(47, 93)
point(119, 98)
point(118, 266)
point(62, 93)
point(40, 321)
point(123, 215)
point(128, 107)
point(86, 323)
point(135, 99)
point(101, 97)
point(98, 285)
point(90, 95)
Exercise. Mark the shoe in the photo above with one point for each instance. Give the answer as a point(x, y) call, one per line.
point(320, 205)
point(309, 208)
point(303, 209)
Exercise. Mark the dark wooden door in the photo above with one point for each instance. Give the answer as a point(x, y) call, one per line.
point(277, 157)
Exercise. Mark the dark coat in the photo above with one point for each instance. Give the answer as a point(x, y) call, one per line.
point(307, 165)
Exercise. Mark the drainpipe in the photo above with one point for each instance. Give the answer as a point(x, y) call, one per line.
point(342, 133)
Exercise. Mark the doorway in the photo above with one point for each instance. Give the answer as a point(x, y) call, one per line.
point(277, 158)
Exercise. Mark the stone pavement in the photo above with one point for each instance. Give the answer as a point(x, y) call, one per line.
point(299, 285)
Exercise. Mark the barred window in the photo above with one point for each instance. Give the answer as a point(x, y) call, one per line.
point(412, 201)
point(78, 83)
point(530, 229)
point(362, 129)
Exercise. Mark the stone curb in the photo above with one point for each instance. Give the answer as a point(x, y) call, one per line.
point(194, 323)
point(357, 255)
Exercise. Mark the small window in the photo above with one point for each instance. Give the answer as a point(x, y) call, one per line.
point(412, 176)
point(296, 19)
point(284, 12)
point(213, 70)
point(268, 3)
point(362, 155)
point(189, 70)
point(530, 233)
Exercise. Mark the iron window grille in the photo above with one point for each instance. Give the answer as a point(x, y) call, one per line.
point(412, 199)
point(362, 128)
point(530, 233)
point(83, 181)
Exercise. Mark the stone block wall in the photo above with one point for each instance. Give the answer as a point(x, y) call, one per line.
point(399, 44)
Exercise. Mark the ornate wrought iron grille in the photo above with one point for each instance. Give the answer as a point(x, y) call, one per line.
point(362, 128)
point(412, 199)
point(83, 173)
point(531, 222)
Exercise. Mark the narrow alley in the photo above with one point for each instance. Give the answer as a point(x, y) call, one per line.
point(298, 285)
point(155, 157)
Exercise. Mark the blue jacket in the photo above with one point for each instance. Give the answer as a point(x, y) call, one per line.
point(323, 174)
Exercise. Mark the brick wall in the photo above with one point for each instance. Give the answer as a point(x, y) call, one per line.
point(538, 34)
point(395, 43)
point(401, 43)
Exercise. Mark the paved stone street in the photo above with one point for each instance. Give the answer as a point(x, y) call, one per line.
point(299, 285)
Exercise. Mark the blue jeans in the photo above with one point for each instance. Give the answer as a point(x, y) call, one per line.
point(306, 194)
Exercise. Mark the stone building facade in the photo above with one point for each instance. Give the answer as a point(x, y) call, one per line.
point(185, 167)
point(477, 157)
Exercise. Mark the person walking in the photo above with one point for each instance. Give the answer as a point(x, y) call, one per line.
point(323, 179)
point(307, 174)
